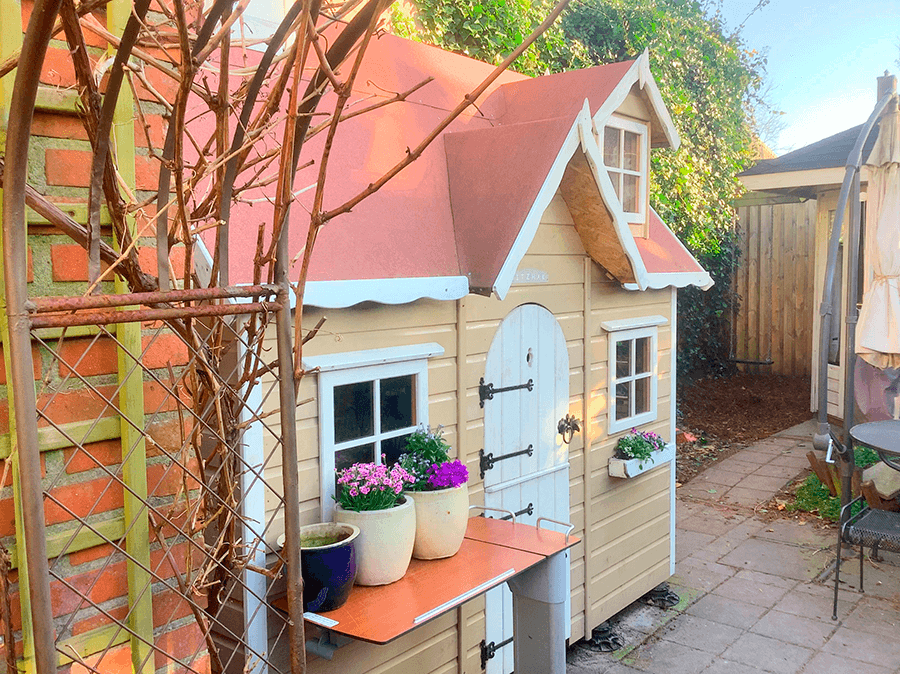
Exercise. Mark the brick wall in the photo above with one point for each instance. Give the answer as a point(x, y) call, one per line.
point(77, 470)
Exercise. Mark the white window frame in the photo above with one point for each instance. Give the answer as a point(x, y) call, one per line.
point(614, 337)
point(622, 125)
point(360, 366)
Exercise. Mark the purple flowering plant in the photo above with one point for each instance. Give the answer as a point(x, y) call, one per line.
point(427, 459)
point(371, 486)
point(639, 445)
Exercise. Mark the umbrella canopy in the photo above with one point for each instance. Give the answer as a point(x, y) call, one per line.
point(878, 330)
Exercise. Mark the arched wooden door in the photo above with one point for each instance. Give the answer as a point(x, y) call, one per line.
point(529, 345)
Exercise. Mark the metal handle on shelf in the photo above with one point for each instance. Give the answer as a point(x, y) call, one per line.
point(569, 526)
point(511, 514)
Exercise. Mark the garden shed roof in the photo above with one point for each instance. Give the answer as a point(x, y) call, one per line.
point(460, 218)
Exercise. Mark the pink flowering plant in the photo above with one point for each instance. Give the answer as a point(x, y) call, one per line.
point(639, 445)
point(427, 459)
point(371, 486)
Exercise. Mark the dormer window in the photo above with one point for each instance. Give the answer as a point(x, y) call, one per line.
point(627, 163)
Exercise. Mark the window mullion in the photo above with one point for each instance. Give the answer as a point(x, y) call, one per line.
point(376, 422)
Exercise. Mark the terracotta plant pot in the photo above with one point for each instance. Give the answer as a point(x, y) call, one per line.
point(385, 542)
point(441, 518)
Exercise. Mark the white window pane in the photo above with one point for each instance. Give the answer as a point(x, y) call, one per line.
point(623, 400)
point(623, 358)
point(398, 396)
point(632, 152)
point(616, 179)
point(630, 193)
point(642, 355)
point(354, 413)
point(642, 395)
point(611, 153)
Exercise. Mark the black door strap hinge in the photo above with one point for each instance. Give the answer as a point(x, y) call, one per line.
point(524, 511)
point(487, 461)
point(488, 651)
point(487, 391)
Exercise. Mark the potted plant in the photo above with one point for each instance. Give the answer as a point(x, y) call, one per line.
point(638, 452)
point(370, 497)
point(327, 564)
point(441, 494)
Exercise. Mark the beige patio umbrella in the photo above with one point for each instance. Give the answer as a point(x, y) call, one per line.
point(878, 330)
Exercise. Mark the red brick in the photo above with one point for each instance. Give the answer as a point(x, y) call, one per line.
point(77, 405)
point(69, 262)
point(146, 173)
point(169, 606)
point(29, 274)
point(78, 460)
point(83, 499)
point(88, 356)
point(160, 351)
point(70, 168)
point(156, 128)
point(147, 259)
point(7, 518)
point(115, 661)
point(9, 473)
point(35, 359)
point(91, 554)
point(158, 399)
point(99, 585)
point(166, 479)
point(182, 644)
point(54, 125)
point(99, 620)
point(57, 69)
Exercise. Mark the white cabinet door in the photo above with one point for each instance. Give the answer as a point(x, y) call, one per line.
point(529, 345)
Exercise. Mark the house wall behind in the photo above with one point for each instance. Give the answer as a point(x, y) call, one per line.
point(624, 525)
point(776, 281)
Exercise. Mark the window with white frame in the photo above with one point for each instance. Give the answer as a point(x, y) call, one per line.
point(632, 378)
point(626, 157)
point(369, 404)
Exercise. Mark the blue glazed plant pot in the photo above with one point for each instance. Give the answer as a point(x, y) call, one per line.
point(328, 564)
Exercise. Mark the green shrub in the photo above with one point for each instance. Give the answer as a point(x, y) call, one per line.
point(813, 497)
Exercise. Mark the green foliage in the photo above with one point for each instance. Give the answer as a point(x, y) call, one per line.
point(710, 83)
point(488, 30)
point(424, 449)
point(639, 445)
point(813, 497)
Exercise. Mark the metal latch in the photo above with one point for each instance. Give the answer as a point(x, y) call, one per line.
point(488, 651)
point(528, 510)
point(487, 391)
point(487, 461)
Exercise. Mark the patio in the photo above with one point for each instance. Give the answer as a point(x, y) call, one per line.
point(755, 594)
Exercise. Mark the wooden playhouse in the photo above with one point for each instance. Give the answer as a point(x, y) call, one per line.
point(520, 247)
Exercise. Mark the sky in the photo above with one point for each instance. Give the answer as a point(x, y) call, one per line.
point(823, 60)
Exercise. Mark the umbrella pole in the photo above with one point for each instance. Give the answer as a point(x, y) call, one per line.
point(852, 316)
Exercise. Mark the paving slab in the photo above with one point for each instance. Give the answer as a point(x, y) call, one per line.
point(747, 497)
point(794, 629)
point(788, 561)
point(826, 663)
point(772, 655)
point(759, 594)
point(762, 483)
point(700, 633)
point(864, 646)
point(727, 611)
point(799, 601)
point(666, 657)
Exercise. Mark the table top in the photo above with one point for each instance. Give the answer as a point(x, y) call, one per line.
point(492, 552)
point(879, 435)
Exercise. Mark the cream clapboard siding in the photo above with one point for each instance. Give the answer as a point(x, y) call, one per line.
point(623, 524)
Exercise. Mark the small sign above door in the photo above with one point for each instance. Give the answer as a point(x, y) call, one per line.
point(531, 276)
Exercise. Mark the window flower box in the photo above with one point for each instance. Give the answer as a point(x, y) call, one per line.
point(626, 468)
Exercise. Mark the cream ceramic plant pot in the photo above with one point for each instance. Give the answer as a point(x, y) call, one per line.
point(441, 518)
point(385, 542)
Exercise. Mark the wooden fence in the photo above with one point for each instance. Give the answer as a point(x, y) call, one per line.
point(776, 282)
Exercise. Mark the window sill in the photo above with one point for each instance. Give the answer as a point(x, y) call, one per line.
point(628, 468)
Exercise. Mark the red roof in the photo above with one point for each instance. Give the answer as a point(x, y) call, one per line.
point(455, 211)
